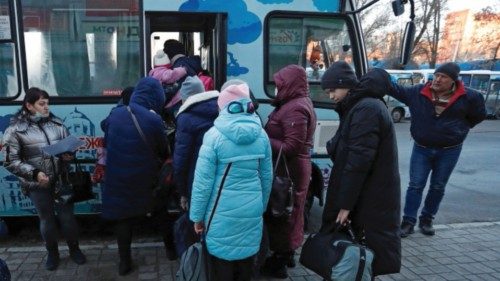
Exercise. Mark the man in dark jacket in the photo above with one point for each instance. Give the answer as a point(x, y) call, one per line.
point(442, 113)
point(364, 184)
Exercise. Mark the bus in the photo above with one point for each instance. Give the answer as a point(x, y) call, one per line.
point(492, 99)
point(84, 52)
point(477, 79)
point(397, 109)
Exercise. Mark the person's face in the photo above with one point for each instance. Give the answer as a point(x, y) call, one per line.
point(441, 83)
point(41, 106)
point(337, 95)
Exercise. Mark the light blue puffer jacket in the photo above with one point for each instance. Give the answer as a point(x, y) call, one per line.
point(236, 228)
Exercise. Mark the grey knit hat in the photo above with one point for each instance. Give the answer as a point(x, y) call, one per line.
point(450, 69)
point(191, 86)
point(339, 75)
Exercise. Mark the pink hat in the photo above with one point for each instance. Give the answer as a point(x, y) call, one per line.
point(231, 93)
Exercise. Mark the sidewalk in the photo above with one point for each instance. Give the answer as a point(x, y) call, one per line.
point(469, 251)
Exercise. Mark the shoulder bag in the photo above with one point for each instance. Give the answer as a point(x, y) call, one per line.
point(194, 261)
point(73, 187)
point(281, 198)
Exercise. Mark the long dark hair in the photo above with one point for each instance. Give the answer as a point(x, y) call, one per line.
point(32, 95)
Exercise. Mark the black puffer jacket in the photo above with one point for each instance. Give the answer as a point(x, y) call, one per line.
point(365, 175)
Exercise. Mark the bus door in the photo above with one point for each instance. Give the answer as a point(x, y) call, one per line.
point(9, 79)
point(492, 101)
point(203, 34)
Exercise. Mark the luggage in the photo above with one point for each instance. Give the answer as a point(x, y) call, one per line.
point(342, 259)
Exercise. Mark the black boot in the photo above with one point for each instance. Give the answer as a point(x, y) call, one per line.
point(425, 226)
point(52, 258)
point(291, 260)
point(170, 249)
point(75, 253)
point(125, 266)
point(406, 229)
point(275, 266)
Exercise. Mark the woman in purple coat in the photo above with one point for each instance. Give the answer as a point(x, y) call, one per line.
point(290, 128)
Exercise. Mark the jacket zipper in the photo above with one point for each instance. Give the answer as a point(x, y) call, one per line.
point(48, 141)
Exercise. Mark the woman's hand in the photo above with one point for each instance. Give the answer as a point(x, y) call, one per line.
point(199, 227)
point(342, 217)
point(66, 157)
point(42, 179)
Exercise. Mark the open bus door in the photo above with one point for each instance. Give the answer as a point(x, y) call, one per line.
point(203, 34)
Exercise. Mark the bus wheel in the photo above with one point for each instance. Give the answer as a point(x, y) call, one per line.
point(397, 114)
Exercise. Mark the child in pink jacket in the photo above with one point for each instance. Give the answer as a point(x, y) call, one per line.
point(162, 69)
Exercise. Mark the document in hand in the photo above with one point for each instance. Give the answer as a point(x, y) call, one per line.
point(69, 144)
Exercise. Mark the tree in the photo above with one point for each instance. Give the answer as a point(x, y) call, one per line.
point(486, 39)
point(383, 39)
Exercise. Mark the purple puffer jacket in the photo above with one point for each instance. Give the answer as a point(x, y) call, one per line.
point(291, 126)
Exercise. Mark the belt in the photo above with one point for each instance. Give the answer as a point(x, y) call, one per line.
point(436, 147)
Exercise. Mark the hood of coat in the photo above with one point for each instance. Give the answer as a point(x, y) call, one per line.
point(240, 128)
point(376, 84)
point(149, 93)
point(291, 82)
point(201, 104)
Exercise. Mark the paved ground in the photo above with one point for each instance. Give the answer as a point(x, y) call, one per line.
point(469, 251)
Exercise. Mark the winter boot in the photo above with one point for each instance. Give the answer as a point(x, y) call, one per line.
point(75, 253)
point(52, 258)
point(170, 249)
point(425, 226)
point(291, 260)
point(406, 229)
point(125, 265)
point(275, 266)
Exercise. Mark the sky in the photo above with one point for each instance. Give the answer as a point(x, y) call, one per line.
point(475, 5)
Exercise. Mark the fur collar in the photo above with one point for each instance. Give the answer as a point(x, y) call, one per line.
point(197, 98)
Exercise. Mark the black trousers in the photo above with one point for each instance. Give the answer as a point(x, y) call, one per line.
point(238, 270)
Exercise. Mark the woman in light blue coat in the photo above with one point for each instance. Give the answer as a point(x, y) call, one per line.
point(236, 228)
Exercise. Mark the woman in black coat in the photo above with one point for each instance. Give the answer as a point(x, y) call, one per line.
point(364, 184)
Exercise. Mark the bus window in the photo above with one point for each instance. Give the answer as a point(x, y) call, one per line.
point(310, 41)
point(492, 101)
point(81, 47)
point(480, 82)
point(465, 79)
point(8, 69)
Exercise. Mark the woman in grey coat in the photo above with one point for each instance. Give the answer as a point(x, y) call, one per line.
point(32, 128)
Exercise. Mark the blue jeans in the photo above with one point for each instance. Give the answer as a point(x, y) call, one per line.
point(441, 161)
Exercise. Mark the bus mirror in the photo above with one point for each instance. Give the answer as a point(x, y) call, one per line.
point(407, 43)
point(397, 7)
point(346, 48)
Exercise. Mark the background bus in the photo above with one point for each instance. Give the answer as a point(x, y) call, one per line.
point(399, 110)
point(84, 52)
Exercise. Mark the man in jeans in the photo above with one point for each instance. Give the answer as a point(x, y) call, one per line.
point(442, 113)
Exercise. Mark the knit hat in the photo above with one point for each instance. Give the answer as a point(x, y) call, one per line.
point(232, 82)
point(231, 93)
point(173, 47)
point(450, 69)
point(339, 75)
point(191, 86)
point(160, 58)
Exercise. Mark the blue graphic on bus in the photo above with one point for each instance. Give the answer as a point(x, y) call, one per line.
point(275, 1)
point(326, 5)
point(233, 67)
point(244, 26)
